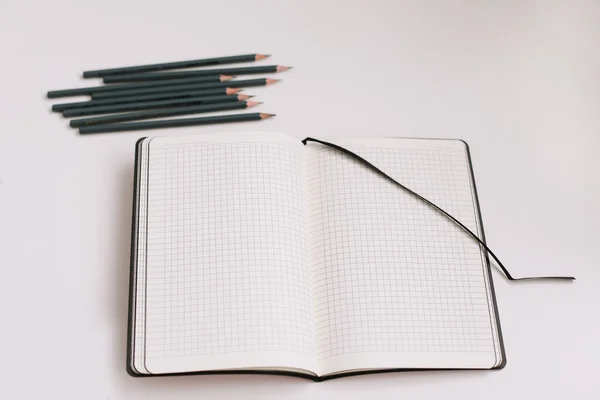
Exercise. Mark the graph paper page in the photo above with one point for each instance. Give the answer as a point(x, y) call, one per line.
point(397, 285)
point(229, 281)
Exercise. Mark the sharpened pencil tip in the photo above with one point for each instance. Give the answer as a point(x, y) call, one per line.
point(232, 90)
point(243, 96)
point(252, 103)
point(281, 68)
point(224, 78)
point(265, 116)
point(271, 81)
point(261, 56)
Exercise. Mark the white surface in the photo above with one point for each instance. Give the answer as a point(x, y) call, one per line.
point(518, 80)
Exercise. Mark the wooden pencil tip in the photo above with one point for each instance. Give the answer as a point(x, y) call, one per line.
point(261, 56)
point(271, 81)
point(265, 116)
point(244, 96)
point(252, 103)
point(281, 68)
point(232, 90)
point(224, 78)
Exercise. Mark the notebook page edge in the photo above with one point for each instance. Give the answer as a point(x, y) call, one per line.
point(132, 307)
point(140, 358)
point(501, 354)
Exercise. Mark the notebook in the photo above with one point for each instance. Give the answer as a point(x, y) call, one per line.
point(255, 253)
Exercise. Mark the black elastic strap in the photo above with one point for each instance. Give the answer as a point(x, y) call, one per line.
point(457, 222)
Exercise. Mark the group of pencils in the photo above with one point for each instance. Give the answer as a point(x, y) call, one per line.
point(147, 92)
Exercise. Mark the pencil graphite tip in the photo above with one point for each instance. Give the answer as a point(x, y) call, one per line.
point(224, 78)
point(261, 56)
point(265, 116)
point(281, 68)
point(232, 90)
point(244, 96)
point(252, 103)
point(271, 81)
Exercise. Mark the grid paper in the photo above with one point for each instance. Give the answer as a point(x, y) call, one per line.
point(228, 261)
point(391, 273)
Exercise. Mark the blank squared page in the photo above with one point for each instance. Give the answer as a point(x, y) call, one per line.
point(396, 283)
point(228, 277)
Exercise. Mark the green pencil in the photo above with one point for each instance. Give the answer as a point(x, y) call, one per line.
point(174, 65)
point(140, 85)
point(145, 97)
point(144, 105)
point(173, 123)
point(185, 87)
point(265, 69)
point(162, 112)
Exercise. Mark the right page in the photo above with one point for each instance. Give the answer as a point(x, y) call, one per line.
point(397, 284)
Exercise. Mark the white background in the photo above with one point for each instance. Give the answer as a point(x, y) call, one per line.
point(518, 80)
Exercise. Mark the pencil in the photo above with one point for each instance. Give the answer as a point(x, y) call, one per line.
point(266, 69)
point(174, 65)
point(143, 105)
point(163, 112)
point(145, 97)
point(112, 88)
point(173, 123)
point(185, 87)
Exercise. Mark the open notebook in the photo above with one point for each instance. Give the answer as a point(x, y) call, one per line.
point(252, 252)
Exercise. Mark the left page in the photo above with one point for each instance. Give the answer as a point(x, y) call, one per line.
point(228, 280)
